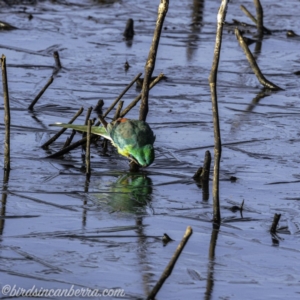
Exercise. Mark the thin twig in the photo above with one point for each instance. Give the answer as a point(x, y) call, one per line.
point(122, 94)
point(99, 110)
point(68, 149)
point(206, 166)
point(260, 18)
point(57, 59)
point(168, 270)
point(88, 152)
point(6, 114)
point(99, 107)
point(275, 223)
point(150, 64)
point(30, 107)
point(239, 23)
point(88, 114)
point(4, 199)
point(118, 110)
point(197, 175)
point(215, 111)
point(69, 139)
point(58, 134)
point(6, 141)
point(103, 122)
point(87, 117)
point(71, 147)
point(202, 176)
point(138, 98)
point(3, 208)
point(268, 84)
point(203, 172)
point(248, 14)
point(205, 176)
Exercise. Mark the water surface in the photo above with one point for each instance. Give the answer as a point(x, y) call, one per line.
point(58, 231)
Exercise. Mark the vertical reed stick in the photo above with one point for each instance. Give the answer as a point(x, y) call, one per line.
point(150, 64)
point(87, 152)
point(87, 117)
point(275, 223)
point(57, 59)
point(213, 90)
point(205, 176)
point(118, 110)
point(259, 18)
point(88, 114)
point(6, 115)
point(6, 141)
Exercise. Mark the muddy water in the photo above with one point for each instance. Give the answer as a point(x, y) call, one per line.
point(57, 231)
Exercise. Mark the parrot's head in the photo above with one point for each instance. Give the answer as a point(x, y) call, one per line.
point(144, 156)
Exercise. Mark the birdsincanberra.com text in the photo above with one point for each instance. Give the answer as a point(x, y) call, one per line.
point(15, 291)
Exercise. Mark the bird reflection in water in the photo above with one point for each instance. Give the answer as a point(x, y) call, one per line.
point(130, 193)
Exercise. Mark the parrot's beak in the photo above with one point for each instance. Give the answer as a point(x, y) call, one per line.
point(134, 160)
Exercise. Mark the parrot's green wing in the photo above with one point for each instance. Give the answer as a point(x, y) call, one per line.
point(98, 130)
point(133, 138)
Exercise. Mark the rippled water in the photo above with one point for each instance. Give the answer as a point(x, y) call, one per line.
point(58, 231)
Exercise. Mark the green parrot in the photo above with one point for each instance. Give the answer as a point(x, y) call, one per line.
point(132, 138)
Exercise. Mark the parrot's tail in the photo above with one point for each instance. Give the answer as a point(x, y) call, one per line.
point(94, 129)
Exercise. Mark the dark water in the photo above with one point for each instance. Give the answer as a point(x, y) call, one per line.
point(57, 231)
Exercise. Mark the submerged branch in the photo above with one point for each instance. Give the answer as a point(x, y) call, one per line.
point(266, 83)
